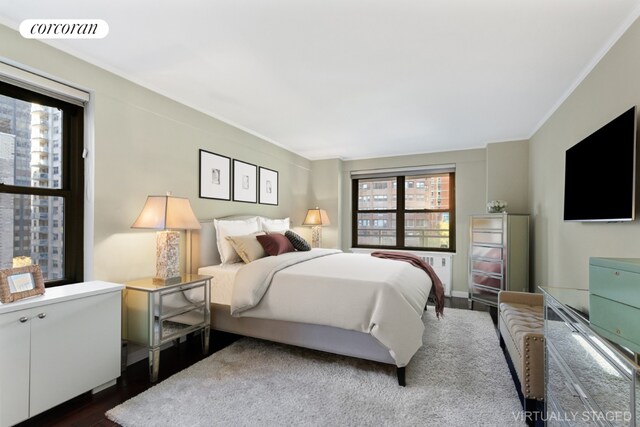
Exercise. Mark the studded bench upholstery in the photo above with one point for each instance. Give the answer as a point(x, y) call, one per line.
point(521, 325)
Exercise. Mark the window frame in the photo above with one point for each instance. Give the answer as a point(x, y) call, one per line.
point(72, 182)
point(400, 211)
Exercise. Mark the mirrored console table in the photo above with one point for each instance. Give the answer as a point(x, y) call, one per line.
point(588, 380)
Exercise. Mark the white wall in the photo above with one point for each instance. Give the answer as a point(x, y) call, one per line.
point(508, 174)
point(325, 192)
point(562, 249)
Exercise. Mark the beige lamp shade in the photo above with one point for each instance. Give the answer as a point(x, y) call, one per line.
point(316, 217)
point(167, 213)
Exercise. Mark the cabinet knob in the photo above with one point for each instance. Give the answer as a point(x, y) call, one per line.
point(23, 319)
point(42, 316)
point(617, 273)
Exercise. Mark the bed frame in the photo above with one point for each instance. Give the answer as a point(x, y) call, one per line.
point(204, 252)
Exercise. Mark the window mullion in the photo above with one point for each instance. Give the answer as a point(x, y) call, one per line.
point(354, 212)
point(375, 211)
point(74, 206)
point(34, 191)
point(400, 206)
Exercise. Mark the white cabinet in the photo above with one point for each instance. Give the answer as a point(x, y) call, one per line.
point(14, 367)
point(56, 346)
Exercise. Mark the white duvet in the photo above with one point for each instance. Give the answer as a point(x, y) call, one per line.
point(358, 292)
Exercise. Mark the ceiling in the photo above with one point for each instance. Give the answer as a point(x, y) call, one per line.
point(353, 78)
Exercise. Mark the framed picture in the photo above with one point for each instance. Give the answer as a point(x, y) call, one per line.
point(20, 282)
point(215, 176)
point(268, 188)
point(245, 187)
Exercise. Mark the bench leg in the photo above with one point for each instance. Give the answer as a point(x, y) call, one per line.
point(533, 410)
point(401, 376)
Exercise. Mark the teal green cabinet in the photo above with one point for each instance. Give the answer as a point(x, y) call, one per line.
point(614, 299)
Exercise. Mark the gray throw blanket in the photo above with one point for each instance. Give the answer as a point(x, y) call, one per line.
point(437, 290)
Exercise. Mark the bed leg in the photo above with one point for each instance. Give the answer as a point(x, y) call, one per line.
point(401, 376)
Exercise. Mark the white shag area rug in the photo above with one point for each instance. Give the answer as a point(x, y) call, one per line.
point(458, 378)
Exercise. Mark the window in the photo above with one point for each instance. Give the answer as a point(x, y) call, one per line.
point(415, 210)
point(34, 194)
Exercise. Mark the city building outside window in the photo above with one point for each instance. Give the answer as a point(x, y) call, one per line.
point(35, 196)
point(415, 211)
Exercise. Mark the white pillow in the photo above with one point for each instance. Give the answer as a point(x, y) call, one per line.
point(274, 225)
point(225, 228)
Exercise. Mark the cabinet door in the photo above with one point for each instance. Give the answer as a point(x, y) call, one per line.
point(75, 348)
point(14, 367)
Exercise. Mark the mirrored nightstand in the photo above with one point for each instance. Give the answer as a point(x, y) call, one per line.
point(157, 313)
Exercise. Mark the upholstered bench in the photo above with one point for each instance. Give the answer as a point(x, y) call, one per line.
point(521, 325)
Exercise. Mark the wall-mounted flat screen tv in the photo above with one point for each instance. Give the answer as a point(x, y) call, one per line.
point(600, 173)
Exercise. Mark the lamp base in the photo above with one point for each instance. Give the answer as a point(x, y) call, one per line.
point(169, 281)
point(316, 236)
point(167, 256)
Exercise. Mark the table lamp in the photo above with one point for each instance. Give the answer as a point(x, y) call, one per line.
point(316, 218)
point(168, 214)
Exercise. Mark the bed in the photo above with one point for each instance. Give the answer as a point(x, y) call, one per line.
point(349, 304)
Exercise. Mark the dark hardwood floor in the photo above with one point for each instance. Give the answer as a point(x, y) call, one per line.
point(88, 410)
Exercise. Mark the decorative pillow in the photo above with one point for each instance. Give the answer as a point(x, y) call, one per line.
point(274, 225)
point(297, 241)
point(275, 244)
point(248, 247)
point(225, 228)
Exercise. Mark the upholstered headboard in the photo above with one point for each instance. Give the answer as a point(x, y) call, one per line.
point(204, 249)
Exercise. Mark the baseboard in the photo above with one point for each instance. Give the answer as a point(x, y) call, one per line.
point(136, 353)
point(460, 294)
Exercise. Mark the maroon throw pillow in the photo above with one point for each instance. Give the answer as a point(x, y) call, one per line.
point(275, 244)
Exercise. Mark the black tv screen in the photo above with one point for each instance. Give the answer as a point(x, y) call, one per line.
point(600, 176)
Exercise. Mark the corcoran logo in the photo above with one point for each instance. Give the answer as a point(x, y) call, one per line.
point(64, 29)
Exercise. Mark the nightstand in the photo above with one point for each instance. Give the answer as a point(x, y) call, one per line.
point(157, 313)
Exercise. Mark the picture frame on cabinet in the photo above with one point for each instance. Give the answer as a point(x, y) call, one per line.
point(20, 282)
point(245, 187)
point(268, 188)
point(215, 176)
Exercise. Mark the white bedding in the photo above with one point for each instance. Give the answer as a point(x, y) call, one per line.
point(222, 282)
point(382, 297)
